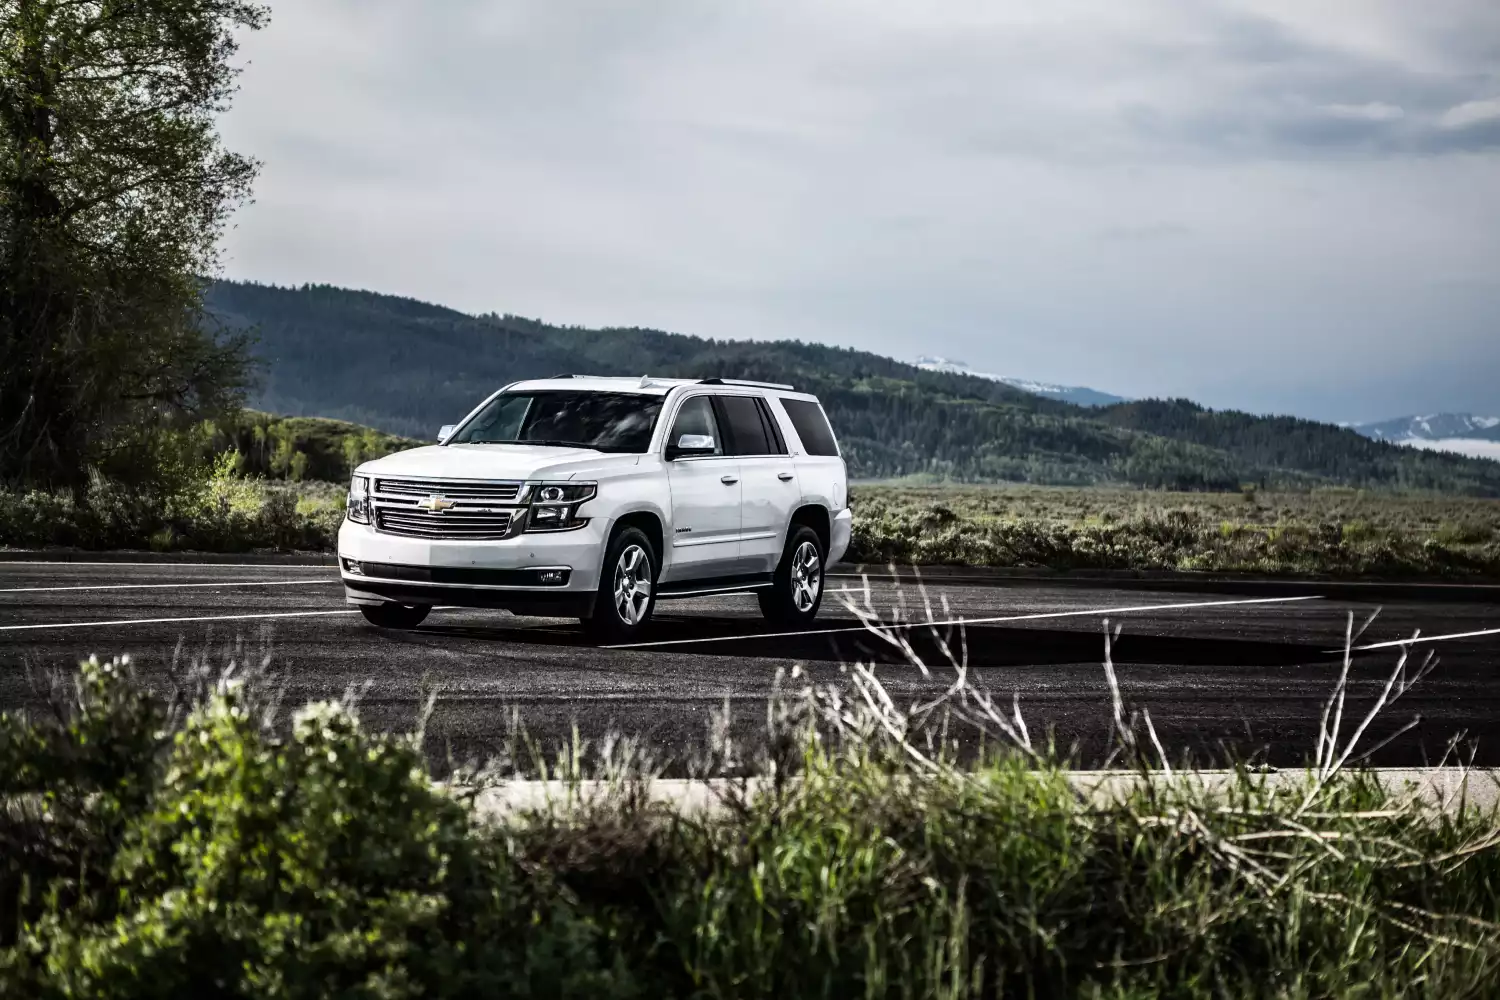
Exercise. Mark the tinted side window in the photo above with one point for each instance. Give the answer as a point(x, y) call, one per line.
point(812, 426)
point(696, 416)
point(747, 435)
point(773, 429)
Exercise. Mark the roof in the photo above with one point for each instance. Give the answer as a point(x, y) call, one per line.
point(645, 385)
point(605, 383)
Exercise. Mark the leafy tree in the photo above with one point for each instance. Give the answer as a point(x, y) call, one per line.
point(114, 188)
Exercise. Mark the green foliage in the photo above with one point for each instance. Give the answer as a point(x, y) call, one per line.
point(300, 448)
point(323, 864)
point(113, 192)
point(152, 854)
point(408, 367)
point(1335, 454)
point(223, 512)
point(1324, 533)
point(1334, 534)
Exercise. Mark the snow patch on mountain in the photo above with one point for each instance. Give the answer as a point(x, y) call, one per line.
point(1433, 427)
point(1080, 395)
point(1472, 447)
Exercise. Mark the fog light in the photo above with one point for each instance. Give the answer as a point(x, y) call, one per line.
point(550, 576)
point(353, 568)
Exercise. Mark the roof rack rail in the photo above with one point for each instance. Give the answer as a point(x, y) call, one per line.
point(742, 381)
point(561, 376)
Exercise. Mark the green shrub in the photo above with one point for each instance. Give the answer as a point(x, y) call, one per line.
point(156, 852)
point(223, 512)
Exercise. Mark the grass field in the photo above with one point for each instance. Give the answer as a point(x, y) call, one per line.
point(1338, 533)
point(1324, 532)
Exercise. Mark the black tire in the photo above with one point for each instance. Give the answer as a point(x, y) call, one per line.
point(402, 616)
point(630, 563)
point(796, 594)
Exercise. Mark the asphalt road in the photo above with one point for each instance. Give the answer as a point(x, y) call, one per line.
point(1220, 673)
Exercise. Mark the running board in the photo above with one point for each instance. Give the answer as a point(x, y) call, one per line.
point(722, 585)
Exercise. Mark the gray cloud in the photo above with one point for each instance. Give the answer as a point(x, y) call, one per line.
point(1150, 231)
point(1295, 206)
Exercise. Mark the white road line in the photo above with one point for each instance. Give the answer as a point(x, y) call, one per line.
point(170, 563)
point(1424, 638)
point(1089, 612)
point(166, 586)
point(166, 621)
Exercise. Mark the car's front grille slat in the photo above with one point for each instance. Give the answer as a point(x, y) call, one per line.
point(452, 489)
point(457, 524)
point(471, 509)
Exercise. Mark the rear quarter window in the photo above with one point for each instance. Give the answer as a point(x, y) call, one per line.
point(811, 426)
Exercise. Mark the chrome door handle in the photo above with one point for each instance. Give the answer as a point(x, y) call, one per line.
point(785, 477)
point(728, 480)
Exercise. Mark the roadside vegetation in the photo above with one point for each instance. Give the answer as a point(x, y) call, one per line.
point(1324, 532)
point(194, 842)
point(1330, 532)
point(249, 481)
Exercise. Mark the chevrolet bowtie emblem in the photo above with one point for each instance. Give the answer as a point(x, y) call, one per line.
point(436, 504)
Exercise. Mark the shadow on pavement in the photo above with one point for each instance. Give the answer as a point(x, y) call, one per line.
point(987, 645)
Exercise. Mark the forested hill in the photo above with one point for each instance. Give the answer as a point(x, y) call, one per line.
point(407, 367)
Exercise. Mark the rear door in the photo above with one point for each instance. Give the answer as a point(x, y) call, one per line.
point(815, 453)
point(706, 494)
point(769, 491)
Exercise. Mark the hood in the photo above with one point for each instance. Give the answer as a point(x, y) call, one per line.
point(497, 461)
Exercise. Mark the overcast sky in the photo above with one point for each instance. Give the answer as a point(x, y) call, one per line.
point(1288, 205)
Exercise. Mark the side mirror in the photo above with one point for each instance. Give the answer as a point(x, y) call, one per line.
point(446, 431)
point(691, 444)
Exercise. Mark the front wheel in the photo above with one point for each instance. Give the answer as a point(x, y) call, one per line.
point(627, 588)
point(402, 616)
point(797, 591)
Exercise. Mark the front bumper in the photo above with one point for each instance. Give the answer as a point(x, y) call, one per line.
point(503, 573)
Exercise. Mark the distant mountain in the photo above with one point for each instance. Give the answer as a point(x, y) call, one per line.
point(1433, 427)
point(407, 367)
point(1458, 433)
point(1075, 394)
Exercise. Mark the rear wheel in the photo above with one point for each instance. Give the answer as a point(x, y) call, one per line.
point(403, 616)
point(797, 591)
point(627, 588)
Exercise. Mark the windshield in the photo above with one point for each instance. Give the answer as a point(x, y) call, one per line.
point(604, 421)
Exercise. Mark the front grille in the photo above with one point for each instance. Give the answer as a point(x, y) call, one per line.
point(455, 523)
point(452, 489)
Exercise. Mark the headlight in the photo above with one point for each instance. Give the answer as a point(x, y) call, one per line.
point(358, 507)
point(554, 506)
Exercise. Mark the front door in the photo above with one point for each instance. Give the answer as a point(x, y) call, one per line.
point(706, 493)
point(767, 479)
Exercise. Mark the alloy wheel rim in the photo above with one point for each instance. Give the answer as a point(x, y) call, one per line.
point(632, 584)
point(807, 576)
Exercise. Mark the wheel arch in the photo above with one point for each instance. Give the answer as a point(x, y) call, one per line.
point(650, 525)
point(816, 517)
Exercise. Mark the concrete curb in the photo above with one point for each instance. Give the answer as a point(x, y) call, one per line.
point(1442, 789)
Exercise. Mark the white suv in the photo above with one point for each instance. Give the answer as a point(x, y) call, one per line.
point(593, 497)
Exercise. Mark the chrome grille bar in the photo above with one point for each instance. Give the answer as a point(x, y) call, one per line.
point(452, 489)
point(454, 524)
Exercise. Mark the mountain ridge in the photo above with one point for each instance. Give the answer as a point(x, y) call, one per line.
point(1077, 394)
point(1432, 427)
point(407, 367)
